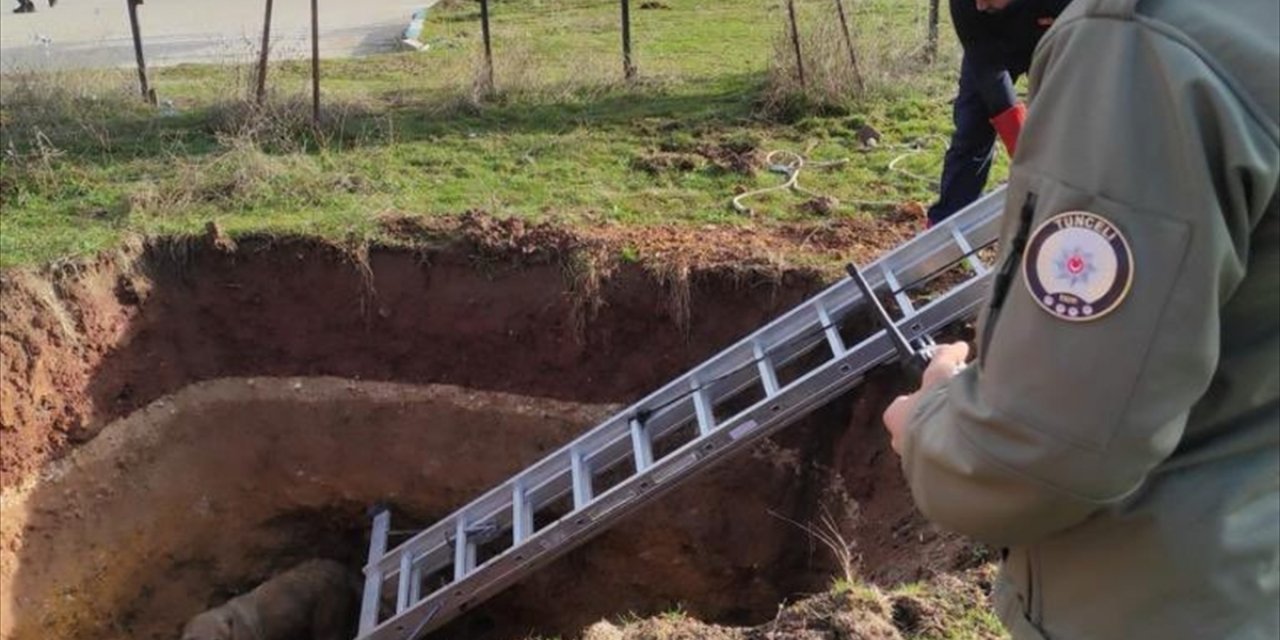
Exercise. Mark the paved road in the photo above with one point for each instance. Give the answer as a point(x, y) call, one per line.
point(95, 33)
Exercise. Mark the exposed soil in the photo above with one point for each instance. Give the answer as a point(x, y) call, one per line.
point(293, 428)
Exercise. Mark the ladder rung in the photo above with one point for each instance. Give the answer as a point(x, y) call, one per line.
point(768, 376)
point(830, 329)
point(702, 408)
point(641, 445)
point(521, 514)
point(967, 250)
point(581, 479)
point(373, 575)
point(462, 550)
point(415, 584)
point(406, 578)
point(904, 301)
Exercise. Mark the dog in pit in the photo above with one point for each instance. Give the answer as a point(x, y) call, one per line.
point(315, 600)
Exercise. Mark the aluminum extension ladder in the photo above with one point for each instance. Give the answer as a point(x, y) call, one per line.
point(767, 380)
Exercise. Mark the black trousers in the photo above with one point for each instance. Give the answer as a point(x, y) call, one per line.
point(985, 91)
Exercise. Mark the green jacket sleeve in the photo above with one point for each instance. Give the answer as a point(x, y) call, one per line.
point(1061, 417)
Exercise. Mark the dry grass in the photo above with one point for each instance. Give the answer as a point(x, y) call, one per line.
point(238, 176)
point(51, 121)
point(833, 531)
point(886, 62)
point(58, 105)
point(288, 124)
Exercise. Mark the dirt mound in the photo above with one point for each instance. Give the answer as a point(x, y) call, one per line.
point(948, 605)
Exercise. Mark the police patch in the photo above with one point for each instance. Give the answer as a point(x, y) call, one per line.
point(1078, 266)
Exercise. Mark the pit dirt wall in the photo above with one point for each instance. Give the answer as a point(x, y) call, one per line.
point(227, 383)
point(84, 344)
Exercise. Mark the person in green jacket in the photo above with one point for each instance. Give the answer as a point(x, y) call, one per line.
point(1119, 433)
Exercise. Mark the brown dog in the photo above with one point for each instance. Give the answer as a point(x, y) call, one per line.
point(315, 600)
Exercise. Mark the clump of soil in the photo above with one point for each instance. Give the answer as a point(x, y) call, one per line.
point(733, 156)
point(820, 206)
point(514, 238)
point(664, 162)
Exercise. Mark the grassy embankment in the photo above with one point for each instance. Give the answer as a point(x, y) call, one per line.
point(561, 137)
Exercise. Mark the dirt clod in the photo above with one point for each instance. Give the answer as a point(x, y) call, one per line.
point(913, 615)
point(820, 206)
point(662, 162)
point(733, 157)
point(868, 136)
point(516, 238)
point(218, 239)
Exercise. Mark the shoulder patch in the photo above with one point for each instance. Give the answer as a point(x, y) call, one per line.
point(1078, 266)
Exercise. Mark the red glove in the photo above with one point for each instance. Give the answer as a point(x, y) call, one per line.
point(1008, 124)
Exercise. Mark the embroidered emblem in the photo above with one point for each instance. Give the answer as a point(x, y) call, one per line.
point(1078, 266)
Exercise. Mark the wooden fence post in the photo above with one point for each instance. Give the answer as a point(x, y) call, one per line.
point(931, 45)
point(795, 41)
point(488, 46)
point(848, 43)
point(315, 62)
point(628, 69)
point(147, 93)
point(262, 55)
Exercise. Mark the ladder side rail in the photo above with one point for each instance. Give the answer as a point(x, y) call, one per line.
point(766, 416)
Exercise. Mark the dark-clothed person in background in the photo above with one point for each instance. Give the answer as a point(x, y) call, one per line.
point(998, 38)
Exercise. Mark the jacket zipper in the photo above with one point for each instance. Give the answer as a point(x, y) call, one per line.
point(1008, 268)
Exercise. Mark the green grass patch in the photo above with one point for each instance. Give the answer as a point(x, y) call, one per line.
point(559, 137)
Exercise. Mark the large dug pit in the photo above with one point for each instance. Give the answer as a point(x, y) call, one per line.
point(181, 421)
